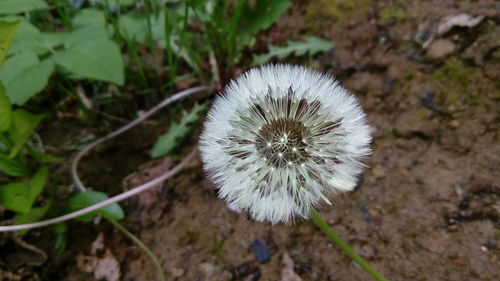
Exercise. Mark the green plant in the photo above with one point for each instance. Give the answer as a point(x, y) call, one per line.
point(16, 127)
point(85, 52)
point(31, 58)
point(311, 46)
point(177, 132)
point(231, 29)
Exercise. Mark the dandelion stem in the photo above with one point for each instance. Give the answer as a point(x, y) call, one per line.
point(318, 220)
point(143, 246)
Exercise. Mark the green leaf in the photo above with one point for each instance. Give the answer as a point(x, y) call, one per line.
point(12, 167)
point(85, 34)
point(7, 31)
point(260, 16)
point(90, 197)
point(24, 75)
point(55, 39)
point(60, 227)
point(19, 196)
point(28, 38)
point(312, 46)
point(60, 244)
point(136, 28)
point(98, 59)
point(5, 109)
point(122, 3)
point(177, 132)
point(89, 17)
point(23, 125)
point(42, 157)
point(19, 6)
point(34, 215)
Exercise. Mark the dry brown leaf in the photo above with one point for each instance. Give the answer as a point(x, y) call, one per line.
point(460, 20)
point(104, 267)
point(430, 30)
point(9, 276)
point(97, 245)
point(287, 273)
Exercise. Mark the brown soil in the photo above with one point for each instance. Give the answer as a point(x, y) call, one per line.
point(435, 123)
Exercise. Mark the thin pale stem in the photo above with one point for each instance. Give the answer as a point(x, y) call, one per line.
point(318, 220)
point(143, 246)
point(145, 115)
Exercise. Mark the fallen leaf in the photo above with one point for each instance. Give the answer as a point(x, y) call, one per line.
point(7, 275)
point(98, 244)
point(433, 29)
point(460, 20)
point(287, 273)
point(104, 266)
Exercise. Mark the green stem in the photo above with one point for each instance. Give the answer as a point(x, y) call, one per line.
point(318, 220)
point(142, 246)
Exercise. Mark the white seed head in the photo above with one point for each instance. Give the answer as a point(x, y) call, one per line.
point(280, 139)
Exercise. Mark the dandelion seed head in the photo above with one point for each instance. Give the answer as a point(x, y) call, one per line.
point(280, 139)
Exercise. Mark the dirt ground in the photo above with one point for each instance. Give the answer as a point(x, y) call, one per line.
point(428, 206)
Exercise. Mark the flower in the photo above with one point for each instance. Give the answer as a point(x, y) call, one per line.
point(281, 138)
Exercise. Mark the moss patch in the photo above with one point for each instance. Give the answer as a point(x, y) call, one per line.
point(457, 85)
point(334, 10)
point(391, 14)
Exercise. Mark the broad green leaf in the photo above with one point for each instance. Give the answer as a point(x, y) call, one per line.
point(23, 125)
point(85, 34)
point(19, 6)
point(89, 17)
point(5, 110)
point(19, 196)
point(55, 39)
point(90, 197)
point(260, 16)
point(7, 31)
point(139, 27)
point(28, 38)
point(99, 59)
point(12, 167)
point(33, 215)
point(24, 75)
point(177, 132)
point(312, 46)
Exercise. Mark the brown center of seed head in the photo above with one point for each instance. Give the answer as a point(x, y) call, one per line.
point(283, 142)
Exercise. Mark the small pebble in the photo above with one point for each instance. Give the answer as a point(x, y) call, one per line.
point(484, 249)
point(208, 269)
point(261, 252)
point(491, 243)
point(177, 272)
point(428, 100)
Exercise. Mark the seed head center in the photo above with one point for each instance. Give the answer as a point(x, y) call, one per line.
point(281, 142)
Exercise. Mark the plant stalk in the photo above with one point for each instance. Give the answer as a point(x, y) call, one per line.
point(143, 246)
point(318, 220)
